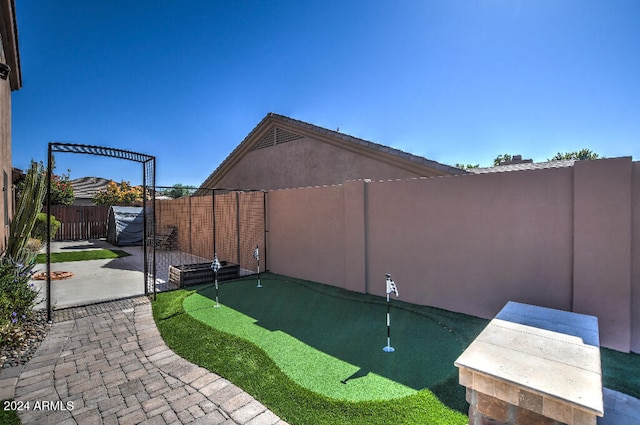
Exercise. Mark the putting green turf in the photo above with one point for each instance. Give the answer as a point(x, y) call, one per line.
point(330, 340)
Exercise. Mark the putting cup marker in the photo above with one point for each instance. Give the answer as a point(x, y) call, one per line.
point(391, 287)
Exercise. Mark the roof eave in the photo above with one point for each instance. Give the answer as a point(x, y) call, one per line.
point(9, 35)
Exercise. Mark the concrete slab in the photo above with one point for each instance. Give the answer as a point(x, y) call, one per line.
point(620, 409)
point(105, 280)
point(95, 280)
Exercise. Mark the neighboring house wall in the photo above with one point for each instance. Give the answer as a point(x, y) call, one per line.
point(7, 198)
point(282, 152)
point(305, 162)
point(8, 55)
point(565, 238)
point(83, 202)
point(85, 188)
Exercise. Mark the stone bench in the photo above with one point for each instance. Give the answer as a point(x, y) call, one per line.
point(536, 366)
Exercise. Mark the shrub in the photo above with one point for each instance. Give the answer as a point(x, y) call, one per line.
point(34, 245)
point(17, 298)
point(40, 227)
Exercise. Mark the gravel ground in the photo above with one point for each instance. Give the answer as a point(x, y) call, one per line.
point(33, 331)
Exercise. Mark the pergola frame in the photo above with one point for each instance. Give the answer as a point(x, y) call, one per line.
point(148, 173)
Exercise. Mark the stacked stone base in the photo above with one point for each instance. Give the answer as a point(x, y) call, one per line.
point(487, 410)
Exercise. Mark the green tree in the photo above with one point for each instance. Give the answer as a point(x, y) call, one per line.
point(120, 194)
point(500, 159)
point(466, 166)
point(582, 154)
point(178, 191)
point(61, 189)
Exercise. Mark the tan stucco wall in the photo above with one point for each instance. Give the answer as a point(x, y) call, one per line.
point(602, 245)
point(559, 238)
point(5, 154)
point(305, 162)
point(306, 233)
point(471, 244)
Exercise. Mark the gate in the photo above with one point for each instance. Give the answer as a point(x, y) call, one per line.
point(80, 222)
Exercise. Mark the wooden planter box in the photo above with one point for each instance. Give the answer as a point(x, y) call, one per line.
point(195, 274)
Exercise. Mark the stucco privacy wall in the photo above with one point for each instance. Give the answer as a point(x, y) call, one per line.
point(602, 244)
point(552, 237)
point(309, 237)
point(472, 244)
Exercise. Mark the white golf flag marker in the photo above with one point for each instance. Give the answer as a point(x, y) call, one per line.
point(256, 255)
point(391, 287)
point(215, 266)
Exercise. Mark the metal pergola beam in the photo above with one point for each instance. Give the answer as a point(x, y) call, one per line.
point(100, 151)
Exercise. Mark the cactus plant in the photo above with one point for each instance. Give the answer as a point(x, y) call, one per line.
point(27, 209)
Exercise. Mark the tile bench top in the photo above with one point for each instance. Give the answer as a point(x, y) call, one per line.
point(549, 352)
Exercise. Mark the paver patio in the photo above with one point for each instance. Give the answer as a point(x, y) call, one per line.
point(107, 364)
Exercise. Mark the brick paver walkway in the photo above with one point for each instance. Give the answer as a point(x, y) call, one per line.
point(106, 364)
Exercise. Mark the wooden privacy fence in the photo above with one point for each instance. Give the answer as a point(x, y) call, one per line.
point(79, 222)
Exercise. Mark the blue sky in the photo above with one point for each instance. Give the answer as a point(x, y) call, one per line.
point(453, 81)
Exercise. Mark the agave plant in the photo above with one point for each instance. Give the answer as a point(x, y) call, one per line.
point(29, 205)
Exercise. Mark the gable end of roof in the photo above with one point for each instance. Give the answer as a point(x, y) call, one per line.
point(275, 129)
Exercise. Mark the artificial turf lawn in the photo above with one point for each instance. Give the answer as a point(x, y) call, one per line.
point(331, 342)
point(91, 254)
point(621, 371)
point(250, 367)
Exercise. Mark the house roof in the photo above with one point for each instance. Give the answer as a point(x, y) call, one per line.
point(291, 129)
point(87, 187)
point(524, 166)
point(9, 34)
point(16, 175)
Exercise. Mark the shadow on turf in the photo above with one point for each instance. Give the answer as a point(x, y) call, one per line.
point(352, 327)
point(360, 373)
